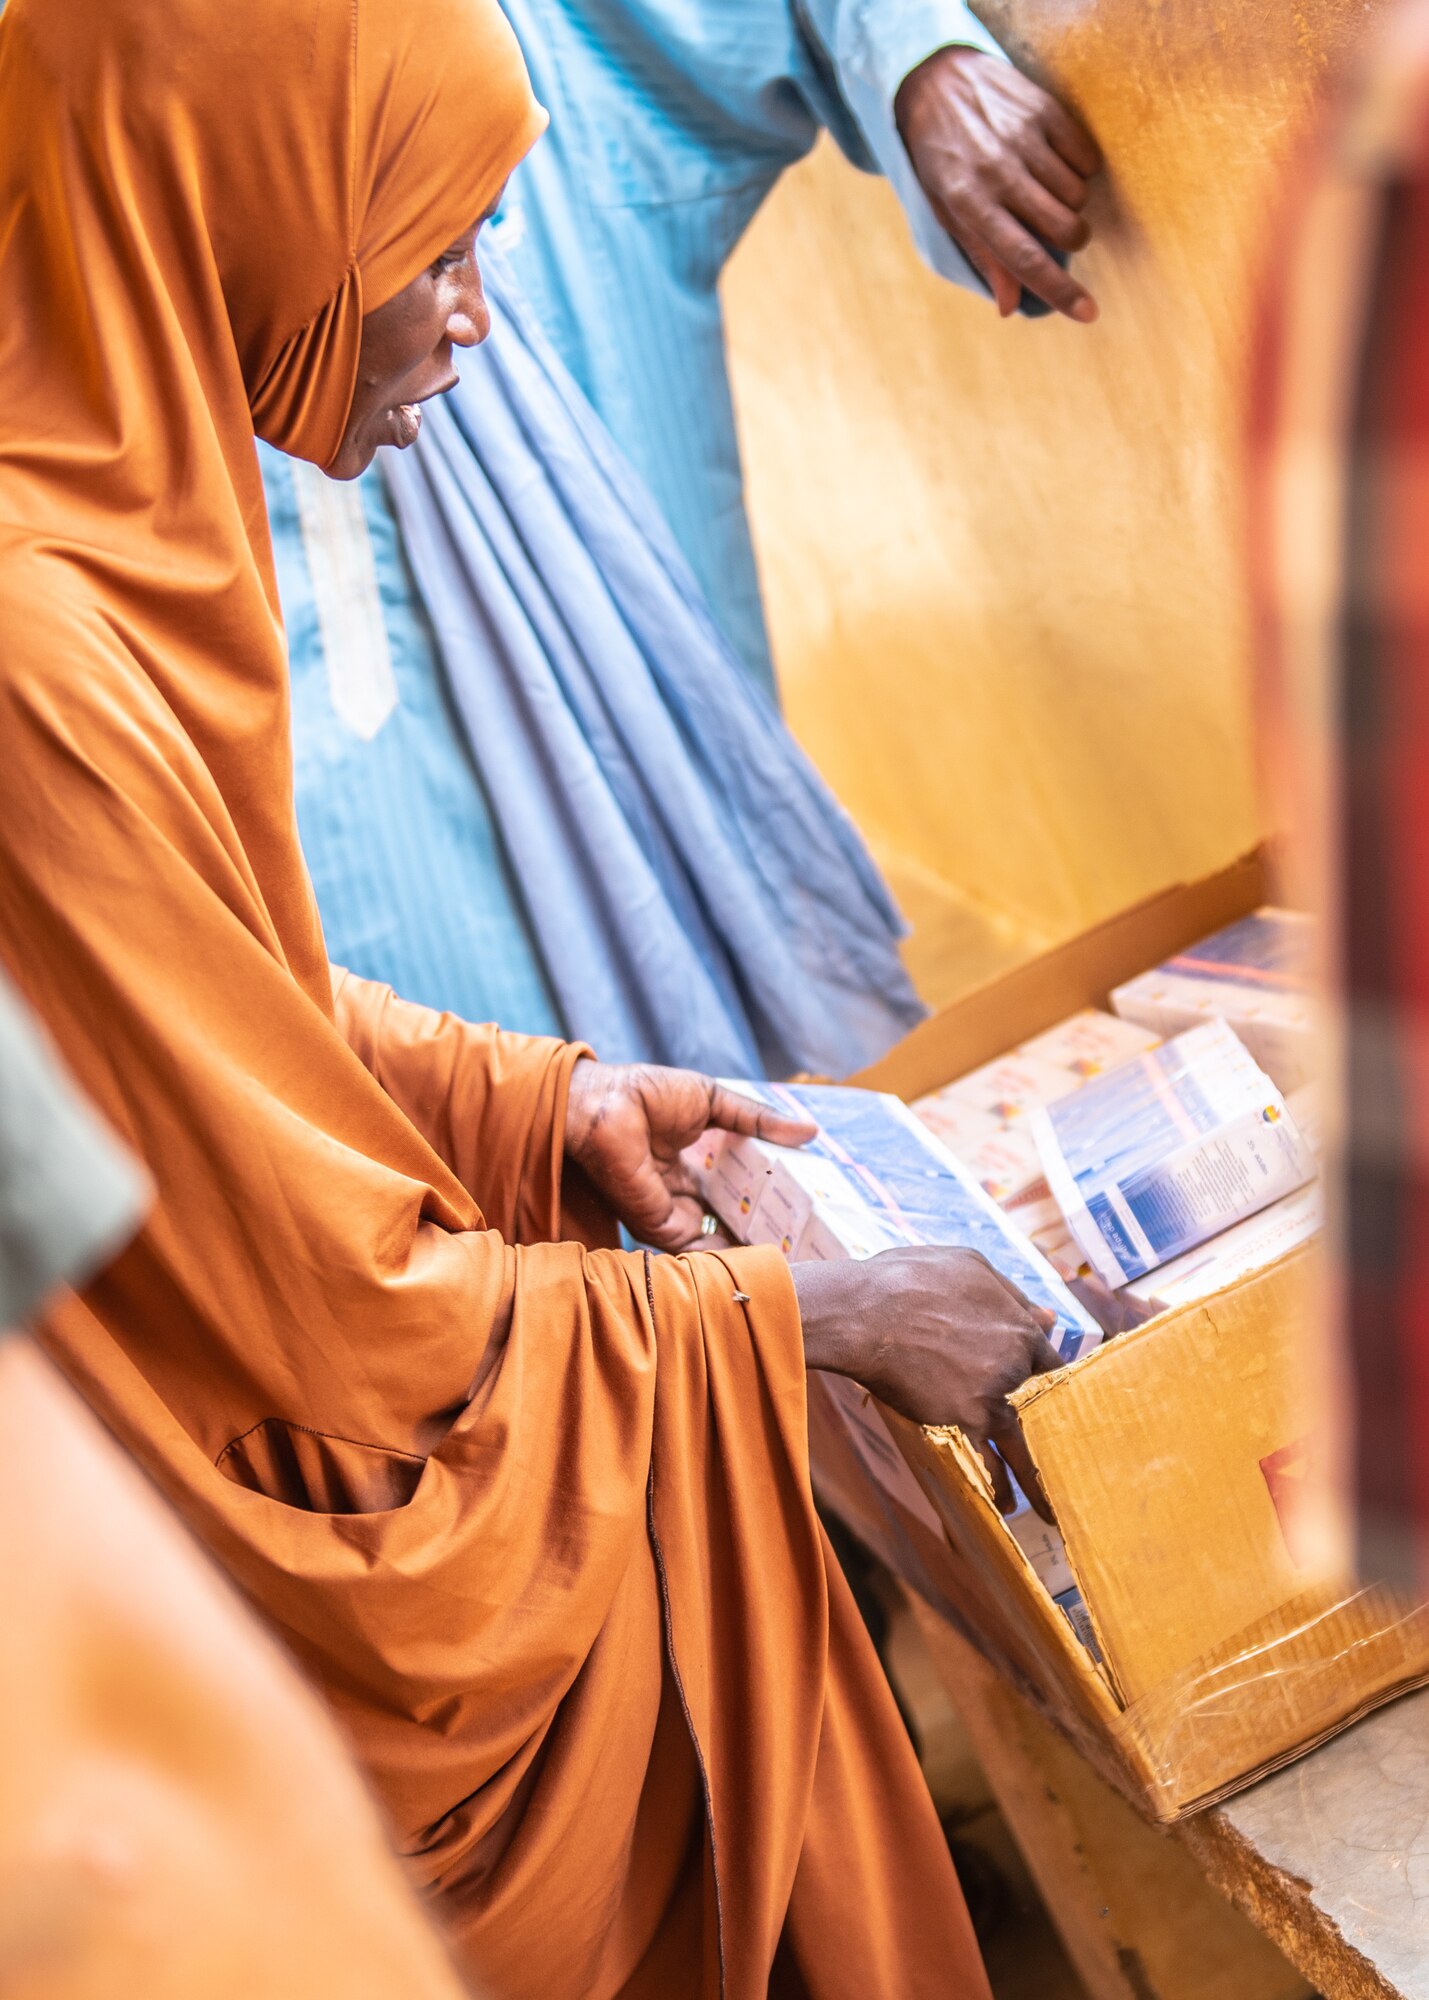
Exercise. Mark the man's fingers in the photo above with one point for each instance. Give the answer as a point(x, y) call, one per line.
point(1052, 220)
point(1071, 139)
point(733, 1113)
point(1045, 164)
point(1037, 270)
point(1006, 290)
point(1044, 1315)
point(997, 1472)
point(1044, 1357)
point(1013, 1447)
point(1114, 1312)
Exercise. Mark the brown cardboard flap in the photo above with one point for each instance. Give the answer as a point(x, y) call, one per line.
point(1183, 1465)
point(1272, 1691)
point(931, 1519)
point(1016, 1623)
point(898, 1526)
point(1080, 973)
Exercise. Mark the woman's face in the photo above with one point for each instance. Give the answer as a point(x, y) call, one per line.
point(406, 354)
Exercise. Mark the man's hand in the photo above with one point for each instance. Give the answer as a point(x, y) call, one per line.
point(1002, 164)
point(937, 1334)
point(628, 1123)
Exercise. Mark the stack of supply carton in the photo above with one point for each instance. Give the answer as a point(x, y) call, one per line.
point(1256, 975)
point(1253, 1245)
point(986, 1117)
point(1164, 1153)
point(876, 1177)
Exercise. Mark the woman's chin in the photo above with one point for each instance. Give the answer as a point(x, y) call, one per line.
point(358, 452)
point(354, 455)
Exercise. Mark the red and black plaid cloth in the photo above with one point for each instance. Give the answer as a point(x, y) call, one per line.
point(1342, 522)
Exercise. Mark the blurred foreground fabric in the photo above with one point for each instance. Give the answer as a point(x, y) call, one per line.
point(177, 1817)
point(1341, 432)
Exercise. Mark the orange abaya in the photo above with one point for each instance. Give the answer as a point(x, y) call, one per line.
point(534, 1514)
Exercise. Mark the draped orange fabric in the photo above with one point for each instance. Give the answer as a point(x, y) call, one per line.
point(534, 1513)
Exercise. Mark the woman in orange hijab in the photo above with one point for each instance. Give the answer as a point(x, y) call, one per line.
point(535, 1514)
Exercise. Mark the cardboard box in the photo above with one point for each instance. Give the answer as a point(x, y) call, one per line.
point(1181, 1460)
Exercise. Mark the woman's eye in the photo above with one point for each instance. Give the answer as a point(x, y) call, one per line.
point(450, 259)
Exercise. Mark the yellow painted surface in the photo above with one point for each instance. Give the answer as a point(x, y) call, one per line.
point(1004, 561)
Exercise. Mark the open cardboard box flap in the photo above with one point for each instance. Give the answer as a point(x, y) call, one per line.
point(1080, 973)
point(1181, 1461)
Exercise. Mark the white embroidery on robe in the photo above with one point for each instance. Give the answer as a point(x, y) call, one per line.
point(343, 571)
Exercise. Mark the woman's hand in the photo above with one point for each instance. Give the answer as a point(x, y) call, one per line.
point(1003, 165)
point(937, 1334)
point(627, 1125)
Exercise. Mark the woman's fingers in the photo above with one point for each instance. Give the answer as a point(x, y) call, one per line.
point(732, 1113)
point(669, 1225)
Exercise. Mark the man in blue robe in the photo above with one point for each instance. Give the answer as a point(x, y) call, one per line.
point(671, 121)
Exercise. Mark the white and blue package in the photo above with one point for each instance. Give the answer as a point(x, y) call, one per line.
point(873, 1178)
point(1257, 975)
point(1069, 1603)
point(1165, 1152)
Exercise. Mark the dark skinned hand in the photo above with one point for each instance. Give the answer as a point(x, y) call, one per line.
point(939, 1335)
point(626, 1126)
point(1002, 164)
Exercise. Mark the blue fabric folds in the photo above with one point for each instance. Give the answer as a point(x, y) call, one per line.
point(694, 891)
point(671, 120)
point(397, 833)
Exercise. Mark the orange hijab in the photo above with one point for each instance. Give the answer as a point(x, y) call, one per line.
point(536, 1516)
point(198, 202)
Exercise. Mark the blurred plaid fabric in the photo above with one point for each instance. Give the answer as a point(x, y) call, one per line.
point(1341, 526)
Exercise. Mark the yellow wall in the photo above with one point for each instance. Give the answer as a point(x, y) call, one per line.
point(1004, 562)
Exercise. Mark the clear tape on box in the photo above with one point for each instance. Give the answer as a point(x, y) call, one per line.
point(1261, 1686)
point(1242, 1707)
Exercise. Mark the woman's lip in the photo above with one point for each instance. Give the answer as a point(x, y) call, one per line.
point(404, 424)
point(404, 420)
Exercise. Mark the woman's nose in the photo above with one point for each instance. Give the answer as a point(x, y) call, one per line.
point(471, 321)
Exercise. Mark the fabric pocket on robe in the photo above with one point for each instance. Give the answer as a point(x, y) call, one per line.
point(320, 1473)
